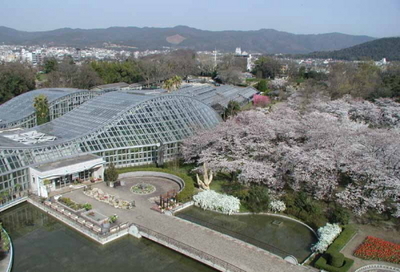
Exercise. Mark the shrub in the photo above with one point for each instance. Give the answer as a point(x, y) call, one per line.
point(70, 203)
point(87, 206)
point(111, 173)
point(323, 264)
point(211, 200)
point(277, 206)
point(326, 236)
point(339, 215)
point(334, 248)
point(113, 218)
point(344, 237)
point(336, 259)
point(258, 199)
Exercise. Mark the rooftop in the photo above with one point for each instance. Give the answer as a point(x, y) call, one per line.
point(65, 162)
point(22, 105)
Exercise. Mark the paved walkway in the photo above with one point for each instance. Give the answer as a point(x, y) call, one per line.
point(238, 253)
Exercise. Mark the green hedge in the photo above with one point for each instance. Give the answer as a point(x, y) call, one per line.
point(185, 195)
point(322, 263)
point(337, 245)
point(344, 237)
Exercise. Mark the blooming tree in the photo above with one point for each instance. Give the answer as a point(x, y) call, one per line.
point(277, 206)
point(326, 235)
point(344, 150)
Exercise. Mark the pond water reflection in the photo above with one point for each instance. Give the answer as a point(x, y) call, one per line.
point(277, 235)
point(42, 243)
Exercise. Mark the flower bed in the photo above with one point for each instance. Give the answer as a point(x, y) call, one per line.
point(211, 200)
point(71, 204)
point(99, 195)
point(143, 189)
point(377, 249)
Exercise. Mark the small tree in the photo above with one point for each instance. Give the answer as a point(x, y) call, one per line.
point(173, 83)
point(232, 109)
point(41, 106)
point(50, 65)
point(111, 174)
point(262, 85)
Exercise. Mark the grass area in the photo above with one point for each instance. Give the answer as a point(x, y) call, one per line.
point(41, 77)
point(217, 185)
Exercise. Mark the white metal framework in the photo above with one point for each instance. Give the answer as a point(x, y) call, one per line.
point(124, 128)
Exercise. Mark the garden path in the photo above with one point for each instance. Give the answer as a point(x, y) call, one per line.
point(238, 253)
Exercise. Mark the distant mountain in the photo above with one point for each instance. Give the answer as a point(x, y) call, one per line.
point(388, 48)
point(263, 41)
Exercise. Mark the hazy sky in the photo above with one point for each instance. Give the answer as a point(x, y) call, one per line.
point(377, 18)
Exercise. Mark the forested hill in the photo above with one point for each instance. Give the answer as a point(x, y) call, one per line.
point(388, 48)
point(267, 41)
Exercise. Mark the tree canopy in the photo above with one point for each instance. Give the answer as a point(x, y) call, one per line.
point(341, 150)
point(15, 79)
point(266, 67)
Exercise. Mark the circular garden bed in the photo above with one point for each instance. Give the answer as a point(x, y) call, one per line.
point(143, 189)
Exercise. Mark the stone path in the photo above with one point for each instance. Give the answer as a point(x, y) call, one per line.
point(233, 251)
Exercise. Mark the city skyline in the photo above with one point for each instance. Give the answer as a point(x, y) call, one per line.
point(373, 18)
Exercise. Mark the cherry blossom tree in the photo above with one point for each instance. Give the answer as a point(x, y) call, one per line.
point(344, 150)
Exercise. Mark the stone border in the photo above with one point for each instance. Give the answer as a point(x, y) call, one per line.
point(171, 177)
point(377, 266)
point(13, 203)
point(191, 203)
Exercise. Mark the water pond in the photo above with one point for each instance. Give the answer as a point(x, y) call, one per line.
point(278, 235)
point(42, 243)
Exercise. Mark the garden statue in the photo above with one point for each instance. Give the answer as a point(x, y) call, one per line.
point(207, 178)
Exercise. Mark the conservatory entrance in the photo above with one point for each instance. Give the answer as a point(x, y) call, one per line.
point(60, 174)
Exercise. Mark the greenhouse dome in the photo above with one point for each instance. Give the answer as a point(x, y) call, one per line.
point(119, 127)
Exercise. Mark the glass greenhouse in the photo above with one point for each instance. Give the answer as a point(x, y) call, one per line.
point(19, 111)
point(120, 127)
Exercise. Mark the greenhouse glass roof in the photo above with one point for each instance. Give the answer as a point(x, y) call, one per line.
point(127, 119)
point(22, 105)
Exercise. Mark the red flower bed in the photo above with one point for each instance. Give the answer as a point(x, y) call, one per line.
point(377, 249)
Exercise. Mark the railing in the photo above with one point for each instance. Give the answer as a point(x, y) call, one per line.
point(181, 207)
point(377, 266)
point(102, 238)
point(188, 250)
point(12, 203)
point(10, 253)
